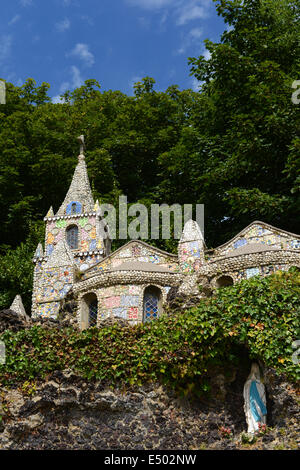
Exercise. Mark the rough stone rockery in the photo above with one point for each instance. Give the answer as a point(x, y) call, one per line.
point(67, 412)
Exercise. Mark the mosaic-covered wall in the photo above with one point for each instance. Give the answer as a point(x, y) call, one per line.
point(259, 270)
point(191, 248)
point(260, 234)
point(51, 284)
point(88, 238)
point(191, 256)
point(123, 301)
point(120, 301)
point(134, 251)
point(250, 272)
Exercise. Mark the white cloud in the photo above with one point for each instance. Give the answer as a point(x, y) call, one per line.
point(5, 47)
point(183, 10)
point(63, 25)
point(207, 54)
point(196, 33)
point(150, 4)
point(193, 38)
point(82, 52)
point(57, 99)
point(14, 20)
point(76, 81)
point(13, 78)
point(192, 10)
point(196, 85)
point(26, 3)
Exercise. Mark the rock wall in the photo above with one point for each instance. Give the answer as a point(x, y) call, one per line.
point(67, 412)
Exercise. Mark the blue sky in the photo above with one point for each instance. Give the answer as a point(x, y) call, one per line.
point(117, 42)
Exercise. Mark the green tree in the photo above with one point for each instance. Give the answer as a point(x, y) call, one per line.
point(244, 163)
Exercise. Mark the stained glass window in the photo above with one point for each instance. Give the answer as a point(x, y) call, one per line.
point(73, 207)
point(72, 237)
point(93, 310)
point(151, 304)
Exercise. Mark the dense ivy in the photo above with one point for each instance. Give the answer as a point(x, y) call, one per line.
point(259, 314)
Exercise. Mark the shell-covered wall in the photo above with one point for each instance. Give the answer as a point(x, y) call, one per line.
point(260, 233)
point(123, 301)
point(131, 252)
point(88, 238)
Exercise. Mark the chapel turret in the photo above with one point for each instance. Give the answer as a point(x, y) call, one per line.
point(79, 199)
point(73, 234)
point(78, 219)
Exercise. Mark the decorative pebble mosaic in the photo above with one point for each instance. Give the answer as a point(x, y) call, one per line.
point(259, 234)
point(133, 253)
point(92, 274)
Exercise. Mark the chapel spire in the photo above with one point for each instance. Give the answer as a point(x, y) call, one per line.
point(79, 196)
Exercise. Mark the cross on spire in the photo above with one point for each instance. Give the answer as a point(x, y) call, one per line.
point(82, 144)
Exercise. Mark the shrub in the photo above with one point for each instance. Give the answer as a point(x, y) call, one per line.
point(261, 314)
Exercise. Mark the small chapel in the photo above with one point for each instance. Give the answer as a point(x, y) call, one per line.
point(133, 281)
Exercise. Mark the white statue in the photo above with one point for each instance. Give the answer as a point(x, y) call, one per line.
point(255, 400)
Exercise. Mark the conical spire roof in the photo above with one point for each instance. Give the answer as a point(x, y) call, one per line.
point(191, 232)
point(79, 190)
point(50, 212)
point(18, 307)
point(39, 251)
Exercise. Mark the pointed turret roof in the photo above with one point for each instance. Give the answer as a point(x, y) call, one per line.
point(39, 251)
point(192, 232)
point(80, 188)
point(50, 212)
point(18, 307)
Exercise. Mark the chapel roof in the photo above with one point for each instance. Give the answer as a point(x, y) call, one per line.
point(115, 253)
point(250, 248)
point(141, 266)
point(245, 230)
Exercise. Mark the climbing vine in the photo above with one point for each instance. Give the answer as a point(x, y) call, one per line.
point(259, 314)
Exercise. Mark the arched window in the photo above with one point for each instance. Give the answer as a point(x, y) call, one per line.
point(93, 311)
point(151, 304)
point(89, 311)
point(74, 208)
point(72, 237)
point(224, 281)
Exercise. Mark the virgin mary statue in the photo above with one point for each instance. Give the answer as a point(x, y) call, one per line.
point(255, 400)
